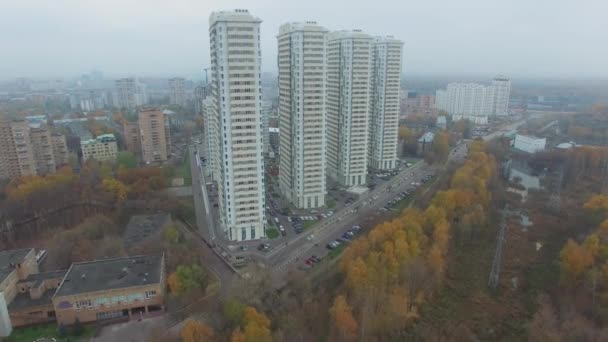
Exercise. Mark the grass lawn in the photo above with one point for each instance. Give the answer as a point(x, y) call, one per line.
point(308, 224)
point(183, 170)
point(272, 233)
point(32, 333)
point(334, 253)
point(330, 203)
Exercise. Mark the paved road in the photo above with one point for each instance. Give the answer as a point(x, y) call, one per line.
point(290, 257)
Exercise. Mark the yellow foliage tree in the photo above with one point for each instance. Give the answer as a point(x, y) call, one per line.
point(116, 187)
point(344, 321)
point(574, 262)
point(174, 284)
point(195, 331)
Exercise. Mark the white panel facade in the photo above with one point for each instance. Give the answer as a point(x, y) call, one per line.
point(349, 64)
point(302, 113)
point(385, 85)
point(236, 90)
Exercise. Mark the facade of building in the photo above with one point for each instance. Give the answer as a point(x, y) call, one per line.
point(200, 94)
point(302, 165)
point(42, 145)
point(475, 99)
point(349, 64)
point(502, 93)
point(529, 144)
point(6, 146)
point(28, 149)
point(236, 92)
point(384, 102)
point(111, 288)
point(212, 139)
point(155, 135)
point(21, 160)
point(177, 91)
point(101, 148)
point(129, 93)
point(60, 149)
point(89, 291)
point(130, 132)
point(266, 113)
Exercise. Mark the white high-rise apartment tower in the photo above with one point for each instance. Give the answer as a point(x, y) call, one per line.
point(236, 92)
point(177, 91)
point(384, 102)
point(302, 113)
point(349, 61)
point(502, 92)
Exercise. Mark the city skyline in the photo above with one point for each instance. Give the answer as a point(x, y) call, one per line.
point(498, 39)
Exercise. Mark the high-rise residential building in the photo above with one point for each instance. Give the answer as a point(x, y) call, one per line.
point(384, 102)
point(60, 149)
point(129, 93)
point(24, 152)
point(177, 91)
point(349, 64)
point(28, 149)
point(130, 132)
point(6, 147)
point(155, 136)
point(502, 92)
point(42, 146)
point(302, 113)
point(236, 92)
point(266, 113)
point(200, 94)
point(473, 99)
point(101, 148)
point(212, 138)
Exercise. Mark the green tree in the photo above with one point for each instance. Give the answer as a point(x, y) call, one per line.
point(126, 159)
point(234, 311)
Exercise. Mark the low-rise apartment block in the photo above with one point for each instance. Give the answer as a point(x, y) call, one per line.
point(102, 148)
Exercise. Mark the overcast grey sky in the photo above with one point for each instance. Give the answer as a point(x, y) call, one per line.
point(546, 38)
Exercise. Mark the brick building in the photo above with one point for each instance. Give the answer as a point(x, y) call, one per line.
point(112, 288)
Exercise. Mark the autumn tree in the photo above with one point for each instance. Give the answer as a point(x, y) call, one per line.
point(343, 319)
point(187, 278)
point(575, 260)
point(196, 331)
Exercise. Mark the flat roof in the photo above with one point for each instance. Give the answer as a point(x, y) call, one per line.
point(24, 300)
point(39, 277)
point(111, 274)
point(8, 259)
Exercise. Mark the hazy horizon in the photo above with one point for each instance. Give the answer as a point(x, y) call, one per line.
point(544, 39)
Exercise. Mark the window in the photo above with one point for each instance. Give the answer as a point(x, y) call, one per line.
point(150, 294)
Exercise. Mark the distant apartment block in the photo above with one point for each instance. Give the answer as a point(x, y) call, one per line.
point(384, 102)
point(529, 144)
point(302, 72)
point(155, 135)
point(177, 91)
point(475, 99)
point(349, 69)
point(212, 131)
point(42, 143)
point(129, 93)
point(101, 148)
point(236, 91)
point(29, 148)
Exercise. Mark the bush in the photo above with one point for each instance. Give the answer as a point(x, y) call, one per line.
point(77, 328)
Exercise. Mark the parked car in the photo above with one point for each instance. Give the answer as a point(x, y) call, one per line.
point(264, 247)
